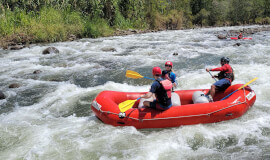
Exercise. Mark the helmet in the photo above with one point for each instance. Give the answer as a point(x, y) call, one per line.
point(169, 63)
point(156, 71)
point(225, 59)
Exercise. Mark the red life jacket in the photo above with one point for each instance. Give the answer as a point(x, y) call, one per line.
point(164, 93)
point(228, 74)
point(240, 36)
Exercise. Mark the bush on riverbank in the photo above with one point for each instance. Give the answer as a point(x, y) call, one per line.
point(96, 28)
point(51, 21)
point(49, 25)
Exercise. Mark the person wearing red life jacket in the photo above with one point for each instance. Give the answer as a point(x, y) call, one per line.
point(169, 74)
point(161, 89)
point(225, 77)
point(240, 36)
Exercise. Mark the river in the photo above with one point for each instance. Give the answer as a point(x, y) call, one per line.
point(49, 116)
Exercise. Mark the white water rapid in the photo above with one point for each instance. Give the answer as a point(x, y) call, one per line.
point(49, 116)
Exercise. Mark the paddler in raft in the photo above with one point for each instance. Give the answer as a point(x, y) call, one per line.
point(161, 89)
point(240, 36)
point(169, 74)
point(225, 76)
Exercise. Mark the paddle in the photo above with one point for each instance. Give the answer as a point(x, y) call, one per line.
point(126, 105)
point(240, 88)
point(135, 75)
point(212, 76)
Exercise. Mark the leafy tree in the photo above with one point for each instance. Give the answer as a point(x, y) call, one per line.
point(202, 17)
point(266, 8)
point(257, 9)
point(218, 12)
point(240, 11)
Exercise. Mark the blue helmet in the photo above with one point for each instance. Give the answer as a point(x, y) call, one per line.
point(225, 59)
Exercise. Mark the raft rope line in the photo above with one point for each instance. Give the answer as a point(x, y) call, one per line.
point(207, 114)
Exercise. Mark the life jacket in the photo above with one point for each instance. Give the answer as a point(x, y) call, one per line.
point(164, 92)
point(166, 75)
point(240, 36)
point(229, 75)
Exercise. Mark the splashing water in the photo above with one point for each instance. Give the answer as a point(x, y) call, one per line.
point(49, 116)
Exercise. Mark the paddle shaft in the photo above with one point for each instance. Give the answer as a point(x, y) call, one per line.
point(212, 76)
point(240, 88)
point(149, 78)
point(230, 94)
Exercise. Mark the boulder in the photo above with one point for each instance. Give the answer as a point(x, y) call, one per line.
point(2, 95)
point(150, 53)
point(221, 36)
point(72, 37)
point(108, 49)
point(237, 44)
point(14, 85)
point(37, 71)
point(50, 50)
point(16, 47)
point(132, 30)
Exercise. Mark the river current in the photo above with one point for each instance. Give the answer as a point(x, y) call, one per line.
point(49, 116)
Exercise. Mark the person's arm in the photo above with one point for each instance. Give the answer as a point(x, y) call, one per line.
point(175, 84)
point(151, 92)
point(217, 69)
point(147, 95)
point(173, 78)
point(215, 76)
point(223, 68)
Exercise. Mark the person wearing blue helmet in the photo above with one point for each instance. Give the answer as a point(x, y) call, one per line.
point(225, 77)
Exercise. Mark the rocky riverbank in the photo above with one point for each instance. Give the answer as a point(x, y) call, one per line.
point(19, 41)
point(245, 31)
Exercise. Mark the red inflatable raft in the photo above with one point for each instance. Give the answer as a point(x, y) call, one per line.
point(105, 107)
point(236, 38)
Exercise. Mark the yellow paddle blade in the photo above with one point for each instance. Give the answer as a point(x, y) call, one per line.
point(133, 74)
point(248, 83)
point(126, 105)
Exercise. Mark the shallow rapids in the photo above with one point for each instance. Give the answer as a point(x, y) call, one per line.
point(49, 115)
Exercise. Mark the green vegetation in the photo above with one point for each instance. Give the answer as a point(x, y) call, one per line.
point(54, 20)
